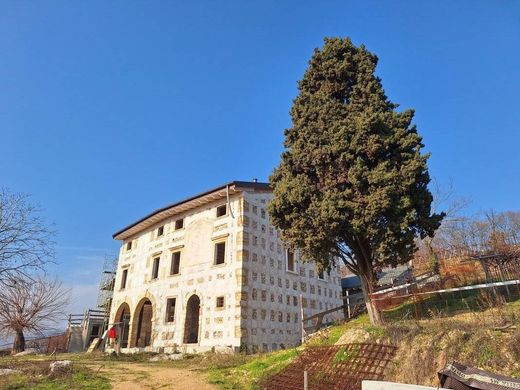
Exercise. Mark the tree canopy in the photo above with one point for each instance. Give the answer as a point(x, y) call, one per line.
point(352, 183)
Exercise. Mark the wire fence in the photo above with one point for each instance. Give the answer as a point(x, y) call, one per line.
point(48, 344)
point(437, 300)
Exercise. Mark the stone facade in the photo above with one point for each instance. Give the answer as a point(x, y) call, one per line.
point(220, 279)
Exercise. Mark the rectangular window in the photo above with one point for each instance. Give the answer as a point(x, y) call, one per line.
point(220, 253)
point(179, 224)
point(221, 210)
point(160, 231)
point(176, 263)
point(290, 261)
point(170, 310)
point(123, 279)
point(129, 245)
point(321, 275)
point(155, 268)
point(220, 302)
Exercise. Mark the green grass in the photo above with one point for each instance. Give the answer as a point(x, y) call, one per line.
point(247, 375)
point(79, 379)
point(252, 369)
point(331, 335)
point(446, 304)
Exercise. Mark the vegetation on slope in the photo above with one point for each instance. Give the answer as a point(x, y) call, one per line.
point(489, 340)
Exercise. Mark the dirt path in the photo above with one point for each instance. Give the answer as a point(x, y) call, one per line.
point(140, 376)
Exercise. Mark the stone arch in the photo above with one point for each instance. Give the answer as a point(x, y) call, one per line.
point(122, 318)
point(142, 324)
point(192, 320)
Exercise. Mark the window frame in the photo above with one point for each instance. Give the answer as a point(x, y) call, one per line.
point(217, 212)
point(160, 231)
point(176, 227)
point(178, 265)
point(168, 306)
point(216, 252)
point(223, 298)
point(293, 270)
point(128, 246)
point(124, 279)
point(155, 270)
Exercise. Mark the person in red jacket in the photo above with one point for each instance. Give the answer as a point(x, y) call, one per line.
point(112, 335)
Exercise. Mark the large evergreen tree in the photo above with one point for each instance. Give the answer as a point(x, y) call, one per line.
point(352, 182)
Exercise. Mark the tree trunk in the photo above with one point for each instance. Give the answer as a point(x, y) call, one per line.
point(19, 342)
point(367, 285)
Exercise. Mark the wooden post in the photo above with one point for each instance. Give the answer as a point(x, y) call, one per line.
point(305, 381)
point(301, 313)
point(118, 344)
point(348, 304)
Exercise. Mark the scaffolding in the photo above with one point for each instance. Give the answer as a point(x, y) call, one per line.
point(106, 284)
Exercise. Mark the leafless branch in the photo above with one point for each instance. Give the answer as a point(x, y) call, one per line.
point(26, 240)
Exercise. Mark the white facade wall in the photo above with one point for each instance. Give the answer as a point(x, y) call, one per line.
point(259, 293)
point(272, 316)
point(198, 275)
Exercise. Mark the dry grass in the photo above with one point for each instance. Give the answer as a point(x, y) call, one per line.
point(488, 340)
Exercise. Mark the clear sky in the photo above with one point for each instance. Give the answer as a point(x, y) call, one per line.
point(111, 109)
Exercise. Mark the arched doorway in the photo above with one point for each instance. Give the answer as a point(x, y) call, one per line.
point(142, 324)
point(123, 317)
point(191, 326)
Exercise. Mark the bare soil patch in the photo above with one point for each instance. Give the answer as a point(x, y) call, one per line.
point(145, 376)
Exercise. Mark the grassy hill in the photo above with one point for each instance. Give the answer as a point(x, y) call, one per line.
point(489, 340)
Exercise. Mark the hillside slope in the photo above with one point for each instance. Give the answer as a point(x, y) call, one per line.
point(489, 340)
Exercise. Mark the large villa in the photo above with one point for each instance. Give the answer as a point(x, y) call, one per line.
point(210, 272)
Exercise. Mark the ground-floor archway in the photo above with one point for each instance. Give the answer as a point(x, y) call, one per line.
point(191, 325)
point(142, 324)
point(122, 320)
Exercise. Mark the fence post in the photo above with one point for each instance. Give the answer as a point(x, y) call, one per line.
point(305, 381)
point(301, 314)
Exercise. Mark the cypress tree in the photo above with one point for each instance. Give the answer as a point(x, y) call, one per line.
point(352, 184)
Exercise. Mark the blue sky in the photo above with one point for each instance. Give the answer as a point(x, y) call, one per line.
point(110, 109)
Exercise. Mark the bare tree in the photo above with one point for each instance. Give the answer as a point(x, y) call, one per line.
point(445, 199)
point(26, 240)
point(489, 232)
point(31, 306)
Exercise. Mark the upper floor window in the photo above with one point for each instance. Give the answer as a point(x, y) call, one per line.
point(220, 302)
point(176, 263)
point(170, 309)
point(221, 210)
point(155, 268)
point(123, 278)
point(179, 224)
point(220, 253)
point(290, 261)
point(129, 245)
point(160, 231)
point(321, 275)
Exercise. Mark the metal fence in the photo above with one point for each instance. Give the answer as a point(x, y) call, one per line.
point(338, 367)
point(48, 344)
point(421, 302)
